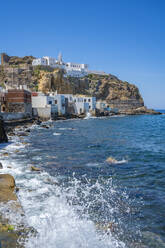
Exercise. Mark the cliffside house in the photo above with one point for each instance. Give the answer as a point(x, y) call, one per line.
point(18, 101)
point(47, 106)
point(80, 104)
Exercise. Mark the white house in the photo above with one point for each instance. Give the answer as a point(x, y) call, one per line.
point(39, 61)
point(50, 61)
point(76, 70)
point(57, 102)
point(47, 106)
point(81, 103)
point(91, 101)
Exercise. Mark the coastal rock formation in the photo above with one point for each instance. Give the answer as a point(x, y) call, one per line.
point(3, 136)
point(51, 81)
point(120, 95)
point(10, 235)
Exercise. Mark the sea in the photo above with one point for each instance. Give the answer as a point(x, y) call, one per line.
point(101, 184)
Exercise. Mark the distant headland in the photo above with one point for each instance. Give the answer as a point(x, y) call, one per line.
point(50, 77)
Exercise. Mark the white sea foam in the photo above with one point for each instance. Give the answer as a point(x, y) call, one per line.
point(56, 134)
point(65, 128)
point(93, 164)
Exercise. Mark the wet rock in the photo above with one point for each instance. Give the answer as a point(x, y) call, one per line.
point(7, 181)
point(38, 122)
point(1, 166)
point(16, 189)
point(8, 240)
point(11, 134)
point(22, 134)
point(45, 126)
point(62, 118)
point(111, 160)
point(3, 136)
point(7, 184)
point(24, 143)
point(6, 227)
point(28, 130)
point(33, 168)
point(5, 154)
point(11, 235)
point(9, 167)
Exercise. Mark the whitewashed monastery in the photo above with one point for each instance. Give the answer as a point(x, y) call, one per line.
point(71, 69)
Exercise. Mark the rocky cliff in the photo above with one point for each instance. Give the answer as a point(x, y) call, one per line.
point(118, 94)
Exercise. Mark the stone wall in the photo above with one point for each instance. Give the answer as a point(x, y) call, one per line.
point(125, 105)
point(13, 116)
point(16, 107)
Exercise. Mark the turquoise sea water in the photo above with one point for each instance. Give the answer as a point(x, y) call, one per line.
point(81, 200)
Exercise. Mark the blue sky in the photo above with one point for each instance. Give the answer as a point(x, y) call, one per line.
point(122, 37)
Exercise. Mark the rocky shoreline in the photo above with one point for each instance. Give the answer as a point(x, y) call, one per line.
point(11, 236)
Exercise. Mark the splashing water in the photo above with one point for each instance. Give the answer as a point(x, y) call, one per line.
point(64, 214)
point(88, 116)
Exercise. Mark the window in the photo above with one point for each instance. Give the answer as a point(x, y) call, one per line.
point(74, 100)
point(89, 100)
point(55, 102)
point(89, 107)
point(85, 100)
point(50, 102)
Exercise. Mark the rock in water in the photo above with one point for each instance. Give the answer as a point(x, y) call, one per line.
point(3, 136)
point(1, 166)
point(111, 160)
point(33, 168)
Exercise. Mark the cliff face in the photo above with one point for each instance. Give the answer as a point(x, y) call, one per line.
point(118, 94)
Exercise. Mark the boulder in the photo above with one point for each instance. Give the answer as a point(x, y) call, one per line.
point(7, 185)
point(1, 166)
point(3, 136)
point(45, 126)
point(33, 168)
point(22, 134)
point(28, 130)
point(11, 134)
point(5, 154)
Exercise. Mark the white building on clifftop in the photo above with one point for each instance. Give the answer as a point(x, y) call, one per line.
point(72, 69)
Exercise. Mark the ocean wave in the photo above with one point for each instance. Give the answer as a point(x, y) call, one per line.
point(56, 134)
